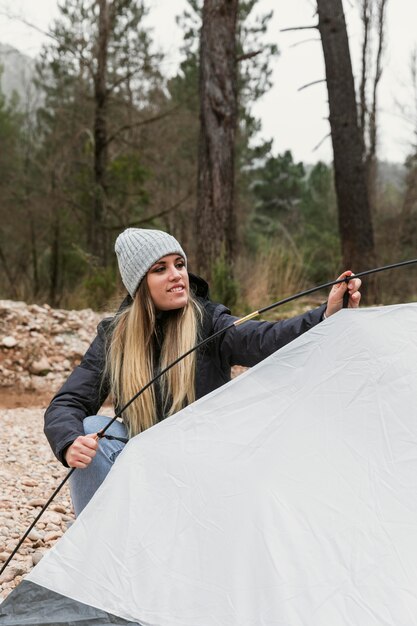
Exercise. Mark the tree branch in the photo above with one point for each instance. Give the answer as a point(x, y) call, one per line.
point(122, 79)
point(315, 82)
point(18, 18)
point(377, 78)
point(46, 33)
point(303, 41)
point(321, 142)
point(149, 218)
point(150, 120)
point(286, 30)
point(248, 55)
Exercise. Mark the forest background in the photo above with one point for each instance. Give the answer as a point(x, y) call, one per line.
point(102, 139)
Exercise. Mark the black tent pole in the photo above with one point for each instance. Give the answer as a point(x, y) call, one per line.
point(238, 322)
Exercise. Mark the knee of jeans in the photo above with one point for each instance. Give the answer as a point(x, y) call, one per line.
point(94, 423)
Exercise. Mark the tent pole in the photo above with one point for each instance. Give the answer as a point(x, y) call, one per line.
point(238, 322)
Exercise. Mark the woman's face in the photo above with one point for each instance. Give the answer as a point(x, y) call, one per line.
point(168, 283)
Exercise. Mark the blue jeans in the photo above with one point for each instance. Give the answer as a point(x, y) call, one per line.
point(85, 482)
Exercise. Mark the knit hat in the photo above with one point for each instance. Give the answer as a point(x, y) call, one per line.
point(137, 249)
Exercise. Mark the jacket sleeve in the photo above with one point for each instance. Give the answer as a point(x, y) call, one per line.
point(253, 341)
point(81, 395)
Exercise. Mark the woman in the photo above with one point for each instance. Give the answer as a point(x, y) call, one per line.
point(166, 313)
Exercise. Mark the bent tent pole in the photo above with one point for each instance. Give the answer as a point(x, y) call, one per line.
point(238, 322)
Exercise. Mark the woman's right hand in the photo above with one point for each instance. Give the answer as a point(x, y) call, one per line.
point(82, 451)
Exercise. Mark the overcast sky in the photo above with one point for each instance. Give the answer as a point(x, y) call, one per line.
point(296, 120)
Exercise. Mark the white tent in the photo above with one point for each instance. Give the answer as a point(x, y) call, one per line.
point(286, 498)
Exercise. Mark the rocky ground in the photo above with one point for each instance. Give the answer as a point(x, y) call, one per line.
point(29, 473)
point(39, 346)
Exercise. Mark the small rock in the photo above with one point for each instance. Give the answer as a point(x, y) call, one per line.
point(52, 518)
point(34, 535)
point(52, 536)
point(9, 575)
point(59, 508)
point(36, 556)
point(40, 367)
point(37, 502)
point(35, 308)
point(9, 342)
point(29, 482)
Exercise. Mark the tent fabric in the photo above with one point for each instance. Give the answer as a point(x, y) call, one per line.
point(286, 498)
point(34, 605)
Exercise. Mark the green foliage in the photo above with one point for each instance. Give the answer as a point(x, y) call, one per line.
point(10, 136)
point(127, 177)
point(224, 287)
point(255, 71)
point(99, 287)
point(278, 187)
point(67, 74)
point(297, 212)
point(319, 236)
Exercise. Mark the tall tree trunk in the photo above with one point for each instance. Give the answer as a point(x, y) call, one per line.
point(216, 221)
point(355, 223)
point(9, 275)
point(55, 261)
point(371, 157)
point(97, 239)
point(34, 254)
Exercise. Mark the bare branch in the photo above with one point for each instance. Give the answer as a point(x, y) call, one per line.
point(248, 55)
point(49, 34)
point(299, 43)
point(148, 218)
point(122, 79)
point(315, 82)
point(18, 18)
point(286, 30)
point(321, 142)
point(150, 120)
point(366, 22)
point(378, 74)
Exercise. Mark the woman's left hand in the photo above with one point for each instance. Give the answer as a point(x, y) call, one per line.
point(335, 300)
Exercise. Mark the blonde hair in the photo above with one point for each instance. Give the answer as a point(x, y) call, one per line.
point(131, 361)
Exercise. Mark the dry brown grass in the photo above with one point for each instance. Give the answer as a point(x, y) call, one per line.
point(275, 274)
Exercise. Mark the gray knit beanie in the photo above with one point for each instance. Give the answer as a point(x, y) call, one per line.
point(137, 249)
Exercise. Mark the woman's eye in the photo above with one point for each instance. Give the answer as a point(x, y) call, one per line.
point(159, 269)
point(180, 264)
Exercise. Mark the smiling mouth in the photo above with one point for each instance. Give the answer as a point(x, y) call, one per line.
point(176, 289)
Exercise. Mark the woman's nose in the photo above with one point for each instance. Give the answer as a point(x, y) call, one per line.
point(174, 273)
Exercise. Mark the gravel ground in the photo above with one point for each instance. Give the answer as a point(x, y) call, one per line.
point(29, 473)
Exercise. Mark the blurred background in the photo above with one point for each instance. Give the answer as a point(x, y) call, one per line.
point(275, 140)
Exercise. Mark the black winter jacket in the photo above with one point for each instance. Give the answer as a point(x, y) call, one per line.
point(85, 391)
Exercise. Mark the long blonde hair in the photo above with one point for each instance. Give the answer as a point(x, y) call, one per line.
point(131, 360)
